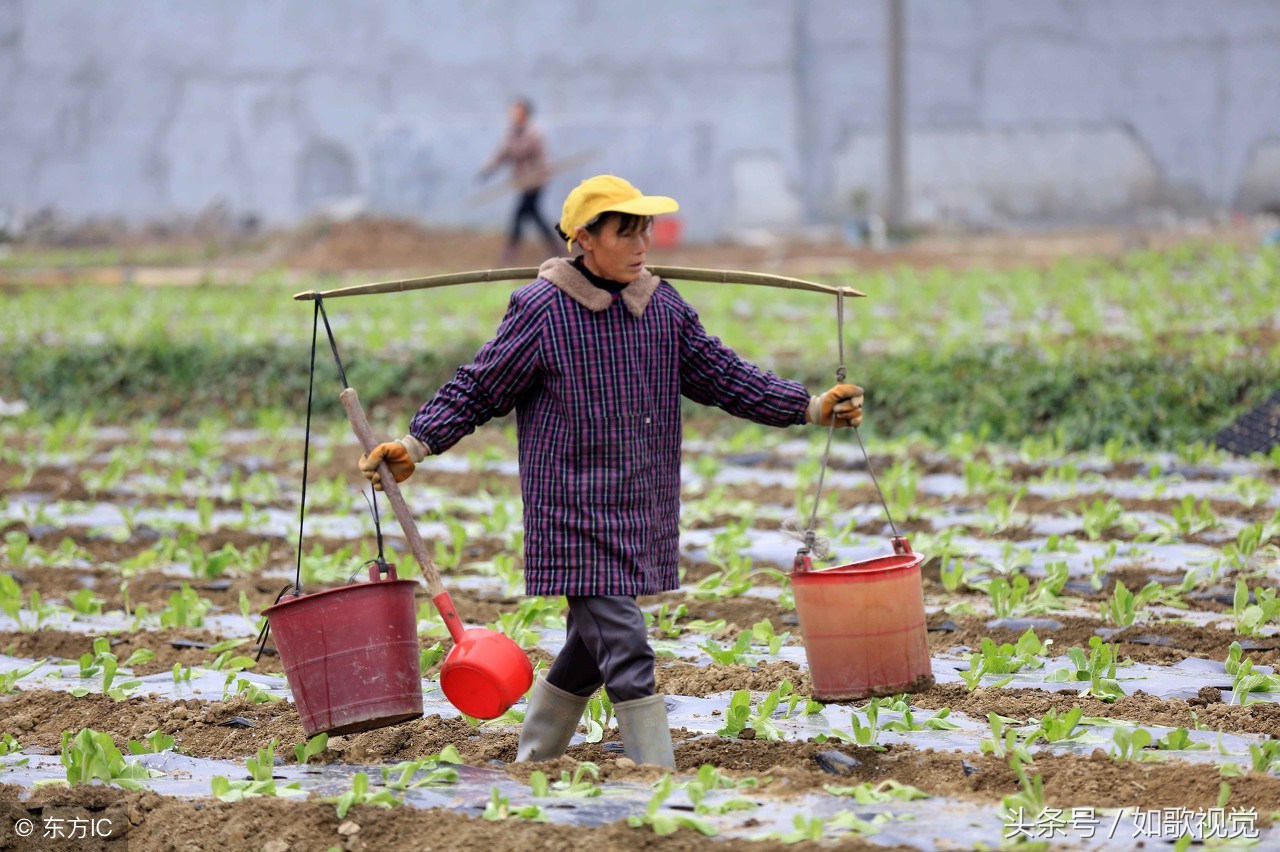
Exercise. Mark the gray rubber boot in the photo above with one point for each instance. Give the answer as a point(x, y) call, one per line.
point(646, 736)
point(549, 723)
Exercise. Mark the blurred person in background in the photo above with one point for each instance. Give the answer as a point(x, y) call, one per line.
point(525, 149)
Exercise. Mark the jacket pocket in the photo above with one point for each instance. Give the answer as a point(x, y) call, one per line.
point(614, 459)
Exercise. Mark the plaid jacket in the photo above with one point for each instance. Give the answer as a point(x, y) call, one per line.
point(595, 380)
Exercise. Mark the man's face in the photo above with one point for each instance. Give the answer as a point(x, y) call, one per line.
point(519, 115)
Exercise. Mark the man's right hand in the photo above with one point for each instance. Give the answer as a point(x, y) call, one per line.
point(401, 457)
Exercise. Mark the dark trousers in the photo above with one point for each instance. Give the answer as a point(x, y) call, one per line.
point(607, 644)
point(527, 208)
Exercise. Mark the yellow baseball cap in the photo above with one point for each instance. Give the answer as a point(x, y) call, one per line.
point(608, 194)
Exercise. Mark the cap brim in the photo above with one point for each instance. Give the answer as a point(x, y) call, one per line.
point(645, 205)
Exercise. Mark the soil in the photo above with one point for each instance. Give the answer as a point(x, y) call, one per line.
point(1134, 642)
point(146, 822)
point(687, 679)
point(62, 645)
point(206, 727)
point(1207, 711)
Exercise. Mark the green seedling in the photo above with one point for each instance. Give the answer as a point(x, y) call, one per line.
point(951, 571)
point(668, 620)
point(900, 484)
point(597, 715)
point(1054, 728)
point(1189, 518)
point(104, 662)
point(667, 823)
point(225, 660)
point(1129, 745)
point(570, 786)
point(430, 656)
point(1250, 490)
point(400, 777)
point(1009, 659)
point(870, 793)
point(1265, 757)
point(16, 547)
point(1061, 544)
point(736, 715)
point(710, 779)
point(91, 756)
point(85, 602)
point(154, 743)
point(762, 633)
point(312, 747)
point(814, 829)
point(1002, 512)
point(972, 677)
point(795, 700)
point(937, 722)
point(727, 546)
point(864, 735)
point(1004, 740)
point(786, 593)
point(1179, 739)
point(762, 717)
point(1098, 517)
point(733, 655)
point(499, 808)
point(359, 795)
point(10, 746)
point(984, 477)
point(1224, 794)
point(186, 609)
point(732, 580)
point(246, 689)
point(181, 674)
point(1245, 680)
point(1028, 804)
point(9, 680)
point(1124, 607)
point(1251, 617)
point(261, 781)
point(531, 614)
point(1098, 668)
point(451, 552)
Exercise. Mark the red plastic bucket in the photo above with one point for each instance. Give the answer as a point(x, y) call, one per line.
point(351, 654)
point(863, 626)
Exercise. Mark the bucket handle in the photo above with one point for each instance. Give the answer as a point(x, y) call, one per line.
point(375, 572)
point(901, 547)
point(440, 597)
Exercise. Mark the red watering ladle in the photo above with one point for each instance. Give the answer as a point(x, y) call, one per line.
point(485, 672)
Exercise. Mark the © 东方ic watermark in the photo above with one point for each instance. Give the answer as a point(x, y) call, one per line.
point(63, 828)
point(1155, 823)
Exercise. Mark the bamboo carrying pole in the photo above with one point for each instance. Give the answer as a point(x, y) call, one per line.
point(528, 273)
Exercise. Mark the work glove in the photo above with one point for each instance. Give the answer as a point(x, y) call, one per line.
point(844, 402)
point(401, 456)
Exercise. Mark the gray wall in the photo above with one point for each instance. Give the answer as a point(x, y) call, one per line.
point(754, 113)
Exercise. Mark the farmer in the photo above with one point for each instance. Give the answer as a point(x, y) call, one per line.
point(594, 357)
point(523, 147)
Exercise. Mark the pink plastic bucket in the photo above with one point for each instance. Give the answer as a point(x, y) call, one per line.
point(863, 626)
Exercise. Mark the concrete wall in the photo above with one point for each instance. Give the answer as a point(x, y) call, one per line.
point(754, 113)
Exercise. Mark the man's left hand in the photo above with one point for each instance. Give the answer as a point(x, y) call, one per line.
point(842, 402)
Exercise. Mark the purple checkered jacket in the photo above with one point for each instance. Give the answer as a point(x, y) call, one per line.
point(595, 380)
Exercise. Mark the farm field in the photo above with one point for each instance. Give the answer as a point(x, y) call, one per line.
point(1101, 593)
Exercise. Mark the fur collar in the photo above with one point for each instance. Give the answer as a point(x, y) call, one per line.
point(561, 272)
